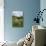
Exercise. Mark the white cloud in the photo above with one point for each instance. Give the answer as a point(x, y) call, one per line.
point(17, 13)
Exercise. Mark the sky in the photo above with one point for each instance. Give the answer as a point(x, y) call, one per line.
point(17, 13)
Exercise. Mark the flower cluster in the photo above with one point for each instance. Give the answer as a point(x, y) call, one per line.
point(39, 16)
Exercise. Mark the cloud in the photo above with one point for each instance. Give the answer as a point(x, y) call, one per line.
point(17, 13)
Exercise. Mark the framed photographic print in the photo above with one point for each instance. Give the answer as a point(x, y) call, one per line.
point(17, 19)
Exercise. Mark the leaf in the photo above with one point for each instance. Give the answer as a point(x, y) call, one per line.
point(34, 19)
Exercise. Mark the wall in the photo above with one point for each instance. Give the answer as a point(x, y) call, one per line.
point(1, 20)
point(29, 7)
point(43, 6)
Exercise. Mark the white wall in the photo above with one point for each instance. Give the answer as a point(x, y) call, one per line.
point(43, 6)
point(1, 20)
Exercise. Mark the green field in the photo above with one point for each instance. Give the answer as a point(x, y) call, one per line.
point(17, 21)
